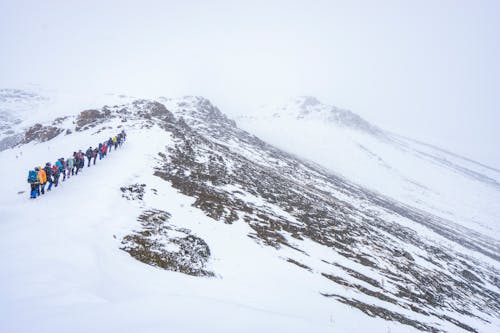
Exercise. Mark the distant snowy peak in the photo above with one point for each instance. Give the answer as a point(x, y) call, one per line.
point(197, 110)
point(311, 109)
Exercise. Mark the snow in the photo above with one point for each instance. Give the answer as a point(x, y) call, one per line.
point(63, 270)
point(414, 173)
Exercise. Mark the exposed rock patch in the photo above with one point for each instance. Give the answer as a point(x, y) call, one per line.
point(40, 133)
point(91, 118)
point(160, 244)
point(133, 192)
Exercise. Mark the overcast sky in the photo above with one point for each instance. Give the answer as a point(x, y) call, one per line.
point(426, 69)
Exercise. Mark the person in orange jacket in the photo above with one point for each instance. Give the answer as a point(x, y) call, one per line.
point(42, 178)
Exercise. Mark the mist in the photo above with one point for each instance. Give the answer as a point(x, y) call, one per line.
point(424, 69)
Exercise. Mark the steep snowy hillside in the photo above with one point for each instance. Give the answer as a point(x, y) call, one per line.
point(423, 176)
point(196, 225)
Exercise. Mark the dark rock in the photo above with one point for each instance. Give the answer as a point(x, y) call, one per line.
point(40, 133)
point(154, 246)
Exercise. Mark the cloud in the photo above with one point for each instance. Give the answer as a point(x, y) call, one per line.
point(425, 69)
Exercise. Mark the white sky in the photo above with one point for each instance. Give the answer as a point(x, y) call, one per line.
point(426, 69)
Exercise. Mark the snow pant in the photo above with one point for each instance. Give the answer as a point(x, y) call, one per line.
point(56, 180)
point(34, 190)
point(89, 158)
point(42, 188)
point(77, 169)
point(116, 145)
point(95, 158)
point(64, 174)
point(100, 156)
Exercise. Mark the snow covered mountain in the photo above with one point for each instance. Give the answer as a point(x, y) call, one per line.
point(418, 174)
point(195, 224)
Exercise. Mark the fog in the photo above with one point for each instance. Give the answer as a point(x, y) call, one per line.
point(424, 69)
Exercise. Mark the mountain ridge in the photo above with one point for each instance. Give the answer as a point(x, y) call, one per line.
point(348, 247)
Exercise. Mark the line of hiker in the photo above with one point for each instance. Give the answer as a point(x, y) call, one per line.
point(39, 177)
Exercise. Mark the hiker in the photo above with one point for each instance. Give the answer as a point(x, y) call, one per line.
point(70, 165)
point(34, 183)
point(55, 174)
point(94, 154)
point(42, 177)
point(49, 173)
point(124, 135)
point(115, 142)
point(60, 165)
point(81, 158)
point(64, 167)
point(103, 149)
point(89, 153)
point(75, 161)
point(78, 161)
point(110, 144)
point(99, 150)
point(119, 140)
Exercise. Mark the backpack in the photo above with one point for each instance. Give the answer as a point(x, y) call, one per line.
point(32, 176)
point(60, 166)
point(42, 176)
point(48, 171)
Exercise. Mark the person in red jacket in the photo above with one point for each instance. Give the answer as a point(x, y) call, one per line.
point(55, 174)
point(104, 149)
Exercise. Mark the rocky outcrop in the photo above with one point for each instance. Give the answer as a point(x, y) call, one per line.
point(160, 244)
point(40, 133)
point(91, 118)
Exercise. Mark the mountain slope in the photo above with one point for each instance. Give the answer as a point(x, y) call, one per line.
point(412, 172)
point(250, 238)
